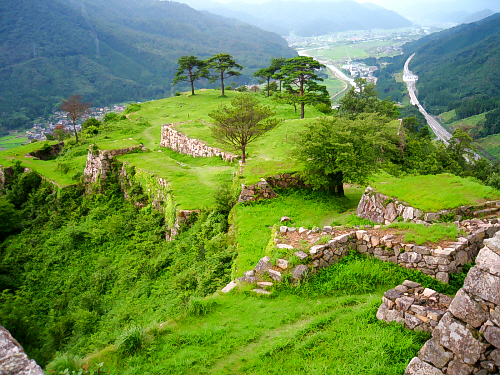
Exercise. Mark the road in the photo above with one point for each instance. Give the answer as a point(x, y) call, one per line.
point(332, 67)
point(410, 79)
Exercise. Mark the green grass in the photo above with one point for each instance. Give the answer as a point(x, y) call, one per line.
point(193, 180)
point(448, 116)
point(433, 234)
point(253, 222)
point(469, 122)
point(432, 193)
point(361, 50)
point(326, 325)
point(491, 144)
point(12, 141)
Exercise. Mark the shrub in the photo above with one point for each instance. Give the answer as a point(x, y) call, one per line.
point(131, 341)
point(324, 108)
point(110, 117)
point(201, 306)
point(65, 363)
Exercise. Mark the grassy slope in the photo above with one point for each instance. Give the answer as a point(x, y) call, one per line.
point(12, 141)
point(253, 222)
point(325, 326)
point(435, 192)
point(491, 144)
point(193, 180)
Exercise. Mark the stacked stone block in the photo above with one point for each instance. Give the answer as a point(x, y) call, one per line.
point(260, 190)
point(13, 359)
point(382, 209)
point(181, 143)
point(467, 338)
point(415, 307)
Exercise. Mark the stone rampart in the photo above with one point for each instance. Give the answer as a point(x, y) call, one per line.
point(467, 338)
point(382, 209)
point(181, 143)
point(264, 188)
point(415, 307)
point(99, 162)
point(13, 359)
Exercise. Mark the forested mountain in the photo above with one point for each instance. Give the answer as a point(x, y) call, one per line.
point(111, 51)
point(308, 18)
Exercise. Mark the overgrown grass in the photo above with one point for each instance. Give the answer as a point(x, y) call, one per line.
point(432, 193)
point(420, 234)
point(253, 222)
point(326, 325)
point(12, 141)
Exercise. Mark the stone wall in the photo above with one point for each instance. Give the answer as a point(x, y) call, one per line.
point(415, 307)
point(13, 359)
point(99, 162)
point(181, 143)
point(467, 338)
point(436, 262)
point(264, 188)
point(382, 209)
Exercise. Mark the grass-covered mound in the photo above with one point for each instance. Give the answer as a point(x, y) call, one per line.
point(432, 193)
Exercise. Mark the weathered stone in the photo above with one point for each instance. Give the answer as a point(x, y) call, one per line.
point(444, 277)
point(302, 230)
point(327, 229)
point(492, 335)
point(401, 289)
point(404, 303)
point(282, 263)
point(489, 366)
point(292, 229)
point(411, 321)
point(390, 212)
point(429, 292)
point(410, 257)
point(495, 356)
point(411, 284)
point(360, 234)
point(417, 309)
point(283, 229)
point(466, 309)
point(488, 261)
point(316, 249)
point(419, 367)
point(301, 255)
point(263, 265)
point(434, 353)
point(299, 271)
point(343, 238)
point(457, 367)
point(390, 304)
point(375, 241)
point(265, 284)
point(483, 285)
point(493, 244)
point(435, 314)
point(13, 359)
point(423, 250)
point(408, 213)
point(284, 246)
point(432, 216)
point(323, 263)
point(362, 248)
point(392, 294)
point(285, 218)
point(452, 334)
point(275, 275)
point(388, 315)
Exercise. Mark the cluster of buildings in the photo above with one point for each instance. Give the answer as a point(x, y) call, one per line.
point(60, 121)
point(360, 70)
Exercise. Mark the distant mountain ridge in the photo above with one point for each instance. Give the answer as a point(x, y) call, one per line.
point(310, 18)
point(457, 63)
point(111, 51)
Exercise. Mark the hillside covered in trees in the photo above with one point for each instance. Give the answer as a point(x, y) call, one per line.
point(111, 51)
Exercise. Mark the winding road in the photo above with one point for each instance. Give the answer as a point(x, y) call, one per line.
point(410, 79)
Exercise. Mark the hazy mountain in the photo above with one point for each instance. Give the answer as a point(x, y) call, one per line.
point(309, 18)
point(458, 63)
point(474, 17)
point(111, 51)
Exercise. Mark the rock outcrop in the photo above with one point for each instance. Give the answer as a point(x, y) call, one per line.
point(13, 359)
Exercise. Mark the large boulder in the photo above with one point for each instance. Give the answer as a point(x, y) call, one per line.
point(13, 359)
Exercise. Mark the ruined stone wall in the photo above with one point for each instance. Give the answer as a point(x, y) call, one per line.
point(382, 209)
point(467, 338)
point(264, 188)
point(181, 143)
point(99, 162)
point(13, 359)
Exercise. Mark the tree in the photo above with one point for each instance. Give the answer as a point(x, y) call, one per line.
point(287, 97)
point(224, 67)
point(337, 150)
point(270, 71)
point(190, 70)
point(242, 123)
point(298, 75)
point(278, 63)
point(362, 98)
point(75, 109)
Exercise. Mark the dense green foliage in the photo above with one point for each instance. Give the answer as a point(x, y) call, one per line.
point(111, 52)
point(84, 268)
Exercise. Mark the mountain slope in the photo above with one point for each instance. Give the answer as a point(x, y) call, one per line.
point(457, 63)
point(311, 18)
point(111, 52)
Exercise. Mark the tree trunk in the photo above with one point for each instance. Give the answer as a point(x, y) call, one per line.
point(74, 128)
point(302, 105)
point(295, 106)
point(337, 184)
point(192, 88)
point(280, 85)
point(222, 82)
point(243, 154)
